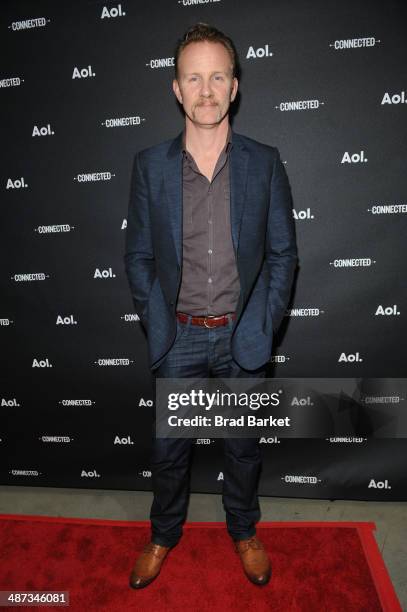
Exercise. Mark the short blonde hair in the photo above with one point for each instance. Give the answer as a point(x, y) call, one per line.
point(200, 32)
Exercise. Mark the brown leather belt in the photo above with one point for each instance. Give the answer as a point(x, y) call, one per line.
point(208, 321)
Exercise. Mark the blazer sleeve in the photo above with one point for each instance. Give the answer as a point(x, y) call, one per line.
point(139, 252)
point(281, 247)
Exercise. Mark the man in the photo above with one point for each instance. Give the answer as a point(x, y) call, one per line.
point(210, 259)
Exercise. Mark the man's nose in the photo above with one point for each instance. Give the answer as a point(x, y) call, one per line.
point(206, 89)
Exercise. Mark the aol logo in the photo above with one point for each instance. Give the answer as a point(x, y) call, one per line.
point(125, 440)
point(380, 484)
point(111, 12)
point(66, 320)
point(387, 311)
point(220, 476)
point(104, 273)
point(301, 401)
point(42, 363)
point(355, 158)
point(16, 184)
point(83, 73)
point(90, 474)
point(273, 440)
point(43, 131)
point(144, 402)
point(303, 214)
point(395, 98)
point(350, 358)
point(260, 52)
point(11, 402)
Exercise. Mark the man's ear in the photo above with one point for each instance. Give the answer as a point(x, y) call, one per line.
point(176, 90)
point(234, 89)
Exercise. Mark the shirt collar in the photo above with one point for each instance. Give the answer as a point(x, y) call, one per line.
point(226, 148)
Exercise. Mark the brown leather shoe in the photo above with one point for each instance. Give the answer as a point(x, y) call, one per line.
point(256, 563)
point(148, 565)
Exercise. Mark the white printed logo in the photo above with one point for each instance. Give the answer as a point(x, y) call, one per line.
point(279, 359)
point(301, 215)
point(354, 43)
point(9, 403)
point(301, 401)
point(125, 440)
point(43, 131)
point(387, 311)
point(112, 11)
point(83, 73)
point(68, 320)
point(394, 98)
point(145, 473)
point(253, 53)
point(16, 183)
point(5, 322)
point(131, 317)
point(380, 484)
point(350, 358)
point(353, 158)
point(144, 402)
point(106, 273)
point(41, 363)
point(161, 62)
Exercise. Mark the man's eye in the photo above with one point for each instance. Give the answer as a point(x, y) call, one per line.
point(219, 78)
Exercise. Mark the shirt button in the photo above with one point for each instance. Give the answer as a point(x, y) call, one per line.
point(210, 251)
point(209, 220)
point(209, 280)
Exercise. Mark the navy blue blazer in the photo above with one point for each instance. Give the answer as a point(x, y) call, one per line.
point(263, 235)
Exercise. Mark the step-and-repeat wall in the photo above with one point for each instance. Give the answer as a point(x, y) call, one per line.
point(83, 87)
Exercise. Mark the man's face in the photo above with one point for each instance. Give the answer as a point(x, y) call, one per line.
point(205, 86)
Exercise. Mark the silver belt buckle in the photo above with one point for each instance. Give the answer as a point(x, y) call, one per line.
point(208, 317)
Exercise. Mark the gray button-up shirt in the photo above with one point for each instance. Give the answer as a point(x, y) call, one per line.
point(210, 281)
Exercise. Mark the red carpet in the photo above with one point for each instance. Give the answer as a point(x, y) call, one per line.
point(321, 567)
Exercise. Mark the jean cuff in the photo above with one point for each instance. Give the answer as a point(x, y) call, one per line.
point(243, 536)
point(164, 542)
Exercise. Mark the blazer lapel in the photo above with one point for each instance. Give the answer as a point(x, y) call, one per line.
point(173, 187)
point(239, 158)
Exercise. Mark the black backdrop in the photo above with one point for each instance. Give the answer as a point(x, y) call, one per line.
point(83, 86)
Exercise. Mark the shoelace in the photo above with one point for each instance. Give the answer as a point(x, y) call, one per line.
point(252, 542)
point(153, 548)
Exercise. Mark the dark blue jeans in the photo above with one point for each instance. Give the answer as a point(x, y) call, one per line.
point(201, 352)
